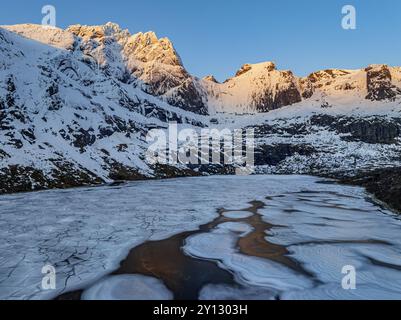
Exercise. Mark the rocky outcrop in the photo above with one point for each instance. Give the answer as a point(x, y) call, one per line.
point(379, 84)
point(369, 130)
point(247, 67)
point(256, 88)
point(17, 178)
point(210, 78)
point(384, 184)
point(324, 77)
point(288, 95)
point(272, 155)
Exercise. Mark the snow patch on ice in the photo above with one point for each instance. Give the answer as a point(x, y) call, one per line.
point(128, 287)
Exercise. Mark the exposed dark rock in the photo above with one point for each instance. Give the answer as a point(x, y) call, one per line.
point(52, 89)
point(293, 130)
point(120, 172)
point(3, 154)
point(369, 130)
point(307, 88)
point(65, 175)
point(283, 97)
point(126, 102)
point(84, 138)
point(122, 147)
point(379, 84)
point(105, 132)
point(29, 135)
point(189, 98)
point(244, 69)
point(64, 134)
point(384, 184)
point(162, 171)
point(327, 75)
point(17, 143)
point(274, 154)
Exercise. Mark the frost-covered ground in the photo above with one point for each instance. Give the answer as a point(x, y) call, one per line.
point(85, 233)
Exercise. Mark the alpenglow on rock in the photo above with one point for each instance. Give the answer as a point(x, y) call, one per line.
point(142, 59)
point(152, 64)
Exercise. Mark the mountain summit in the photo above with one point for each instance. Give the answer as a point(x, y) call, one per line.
point(141, 59)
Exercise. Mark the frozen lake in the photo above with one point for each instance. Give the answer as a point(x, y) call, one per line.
point(222, 237)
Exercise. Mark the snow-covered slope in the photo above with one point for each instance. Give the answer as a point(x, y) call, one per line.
point(141, 59)
point(65, 120)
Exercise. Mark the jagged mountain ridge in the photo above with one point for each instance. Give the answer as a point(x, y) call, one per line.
point(142, 59)
point(154, 65)
point(76, 105)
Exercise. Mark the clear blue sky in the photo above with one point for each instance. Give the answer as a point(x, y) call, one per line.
point(218, 36)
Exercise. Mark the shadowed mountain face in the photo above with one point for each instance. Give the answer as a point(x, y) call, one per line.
point(76, 106)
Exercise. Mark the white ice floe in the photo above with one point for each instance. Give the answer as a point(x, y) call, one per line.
point(128, 287)
point(323, 231)
point(220, 245)
point(237, 214)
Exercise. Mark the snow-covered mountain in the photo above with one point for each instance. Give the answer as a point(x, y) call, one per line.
point(68, 116)
point(141, 59)
point(261, 88)
point(255, 88)
point(76, 105)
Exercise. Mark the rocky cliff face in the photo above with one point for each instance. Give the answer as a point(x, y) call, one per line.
point(255, 88)
point(374, 83)
point(369, 130)
point(379, 83)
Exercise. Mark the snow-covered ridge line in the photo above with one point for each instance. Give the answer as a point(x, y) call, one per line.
point(154, 65)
